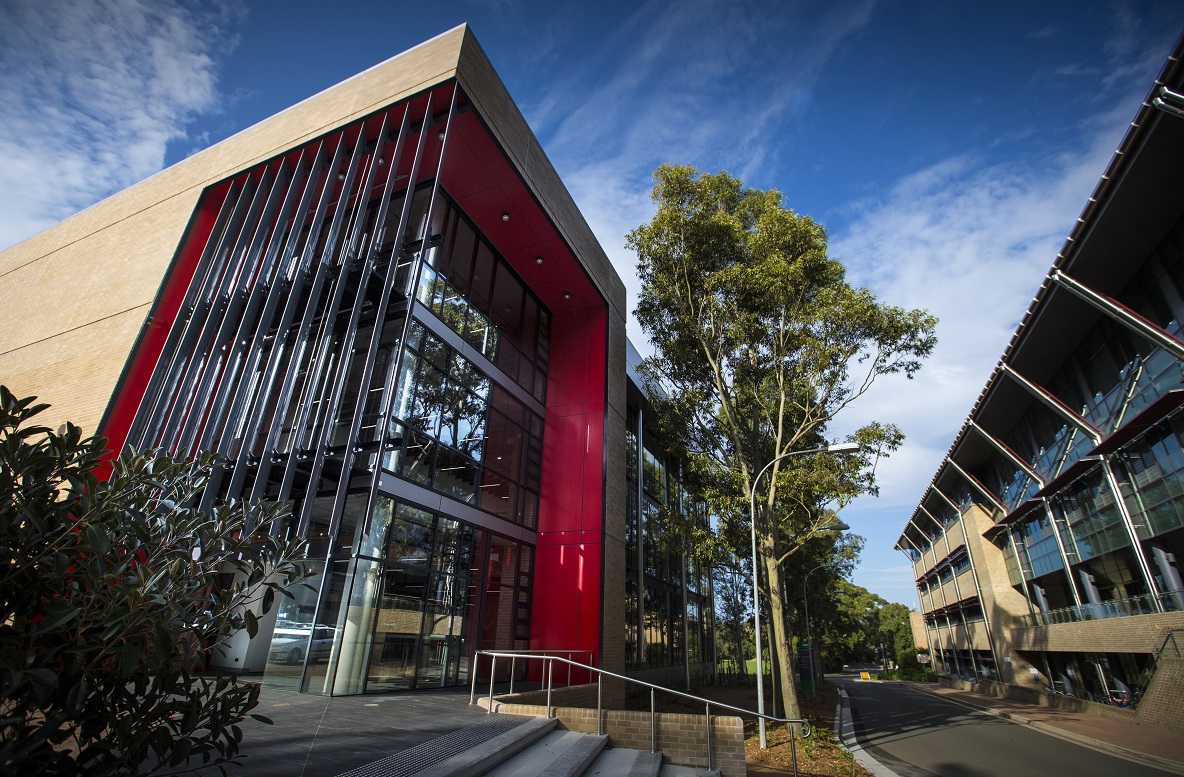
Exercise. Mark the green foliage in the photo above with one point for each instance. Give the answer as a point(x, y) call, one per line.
point(759, 343)
point(108, 591)
point(756, 334)
point(733, 600)
point(857, 623)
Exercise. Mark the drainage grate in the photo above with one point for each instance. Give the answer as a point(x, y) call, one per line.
point(415, 759)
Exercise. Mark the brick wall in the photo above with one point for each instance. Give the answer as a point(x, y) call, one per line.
point(1159, 707)
point(917, 621)
point(1132, 634)
point(1002, 604)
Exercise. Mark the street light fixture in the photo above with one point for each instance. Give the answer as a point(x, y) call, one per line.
point(841, 447)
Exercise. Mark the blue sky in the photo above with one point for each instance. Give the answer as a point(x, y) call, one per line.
point(947, 146)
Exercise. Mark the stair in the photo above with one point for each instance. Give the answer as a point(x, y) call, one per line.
point(483, 757)
point(519, 746)
point(558, 754)
point(673, 770)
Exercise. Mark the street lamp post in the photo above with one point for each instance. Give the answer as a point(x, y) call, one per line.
point(842, 447)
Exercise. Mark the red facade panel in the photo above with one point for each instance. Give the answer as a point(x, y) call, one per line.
point(567, 599)
point(130, 390)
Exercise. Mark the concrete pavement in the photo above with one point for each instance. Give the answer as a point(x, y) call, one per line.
point(319, 736)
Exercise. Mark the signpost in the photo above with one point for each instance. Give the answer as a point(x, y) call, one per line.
point(806, 665)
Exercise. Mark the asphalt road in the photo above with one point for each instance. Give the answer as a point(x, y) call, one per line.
point(917, 735)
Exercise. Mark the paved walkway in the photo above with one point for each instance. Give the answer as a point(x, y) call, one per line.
point(317, 736)
point(1151, 746)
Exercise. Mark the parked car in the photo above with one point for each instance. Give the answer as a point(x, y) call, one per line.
point(290, 641)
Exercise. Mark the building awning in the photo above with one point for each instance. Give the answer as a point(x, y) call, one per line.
point(1012, 517)
point(1068, 475)
point(1147, 418)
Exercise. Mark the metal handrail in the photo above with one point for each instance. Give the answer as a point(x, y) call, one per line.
point(545, 652)
point(549, 669)
point(1169, 637)
point(1144, 604)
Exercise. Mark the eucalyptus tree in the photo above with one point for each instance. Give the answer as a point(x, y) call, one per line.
point(760, 342)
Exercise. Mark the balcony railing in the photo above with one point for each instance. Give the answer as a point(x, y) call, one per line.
point(1147, 604)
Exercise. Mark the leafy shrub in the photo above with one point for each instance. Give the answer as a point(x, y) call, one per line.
point(109, 591)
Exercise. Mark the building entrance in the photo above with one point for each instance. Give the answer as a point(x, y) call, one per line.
point(411, 618)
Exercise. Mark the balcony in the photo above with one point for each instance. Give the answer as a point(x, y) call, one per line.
point(1148, 604)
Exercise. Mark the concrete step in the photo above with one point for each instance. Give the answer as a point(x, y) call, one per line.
point(558, 754)
point(673, 770)
point(537, 748)
point(623, 762)
point(487, 755)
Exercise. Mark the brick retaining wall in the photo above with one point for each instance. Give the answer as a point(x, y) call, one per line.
point(1159, 707)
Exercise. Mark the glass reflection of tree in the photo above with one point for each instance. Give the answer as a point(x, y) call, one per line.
point(450, 306)
point(465, 408)
point(408, 553)
point(450, 405)
point(656, 620)
point(448, 595)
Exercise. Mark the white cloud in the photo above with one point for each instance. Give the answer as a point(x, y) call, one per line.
point(93, 93)
point(697, 82)
point(971, 241)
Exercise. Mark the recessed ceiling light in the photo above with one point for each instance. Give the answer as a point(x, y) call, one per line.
point(567, 295)
point(538, 260)
point(505, 216)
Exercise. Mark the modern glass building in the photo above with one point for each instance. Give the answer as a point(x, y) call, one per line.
point(669, 597)
point(382, 307)
point(1048, 547)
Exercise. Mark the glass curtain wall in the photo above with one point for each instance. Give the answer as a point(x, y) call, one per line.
point(344, 318)
point(667, 622)
point(1111, 376)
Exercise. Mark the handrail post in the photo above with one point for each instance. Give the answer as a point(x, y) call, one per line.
point(513, 660)
point(599, 686)
point(492, 674)
point(473, 672)
point(653, 723)
point(569, 669)
point(793, 751)
point(550, 679)
point(708, 717)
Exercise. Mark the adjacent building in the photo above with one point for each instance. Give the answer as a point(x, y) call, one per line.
point(1048, 547)
point(382, 307)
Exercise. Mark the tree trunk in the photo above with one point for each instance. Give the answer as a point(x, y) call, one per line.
point(781, 642)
